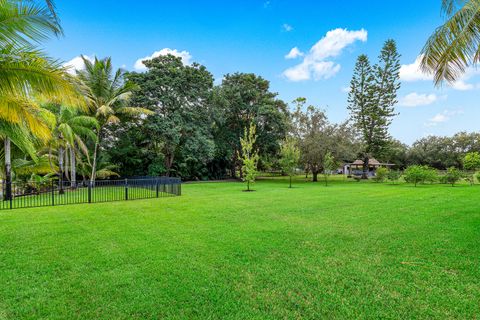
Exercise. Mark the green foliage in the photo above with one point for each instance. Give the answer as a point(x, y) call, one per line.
point(243, 98)
point(453, 175)
point(372, 96)
point(471, 161)
point(290, 156)
point(317, 136)
point(328, 165)
point(418, 174)
point(249, 155)
point(381, 174)
point(394, 175)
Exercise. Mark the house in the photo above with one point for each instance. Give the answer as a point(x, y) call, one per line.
point(356, 168)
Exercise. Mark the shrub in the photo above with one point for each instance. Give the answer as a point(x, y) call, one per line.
point(420, 174)
point(453, 175)
point(394, 175)
point(381, 174)
point(431, 175)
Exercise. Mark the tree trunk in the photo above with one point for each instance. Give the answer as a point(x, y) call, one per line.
point(290, 181)
point(365, 167)
point(60, 169)
point(73, 168)
point(315, 175)
point(8, 170)
point(94, 164)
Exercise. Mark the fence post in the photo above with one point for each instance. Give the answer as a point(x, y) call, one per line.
point(156, 186)
point(89, 191)
point(126, 189)
point(179, 191)
point(53, 193)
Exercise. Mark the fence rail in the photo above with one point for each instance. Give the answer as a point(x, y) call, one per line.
point(52, 193)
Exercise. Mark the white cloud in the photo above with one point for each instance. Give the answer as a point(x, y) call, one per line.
point(346, 89)
point(76, 64)
point(443, 117)
point(294, 53)
point(287, 27)
point(411, 72)
point(185, 55)
point(414, 99)
point(314, 64)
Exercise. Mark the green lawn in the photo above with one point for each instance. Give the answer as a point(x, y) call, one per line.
point(350, 250)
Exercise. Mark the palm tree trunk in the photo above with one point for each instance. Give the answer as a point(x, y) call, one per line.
point(8, 170)
point(60, 168)
point(94, 164)
point(73, 168)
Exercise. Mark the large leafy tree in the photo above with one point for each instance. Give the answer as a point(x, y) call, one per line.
point(454, 46)
point(317, 138)
point(372, 97)
point(243, 98)
point(108, 96)
point(179, 96)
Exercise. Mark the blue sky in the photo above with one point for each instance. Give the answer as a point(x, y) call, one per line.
point(256, 36)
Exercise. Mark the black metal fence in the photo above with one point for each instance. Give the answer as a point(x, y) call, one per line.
point(53, 193)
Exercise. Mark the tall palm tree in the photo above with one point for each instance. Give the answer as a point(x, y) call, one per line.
point(108, 96)
point(26, 72)
point(455, 45)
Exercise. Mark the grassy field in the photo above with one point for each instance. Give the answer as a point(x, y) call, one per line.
point(350, 250)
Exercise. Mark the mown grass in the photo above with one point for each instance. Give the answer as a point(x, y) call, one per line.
point(350, 250)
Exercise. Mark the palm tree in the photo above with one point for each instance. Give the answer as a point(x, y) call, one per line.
point(455, 45)
point(26, 72)
point(69, 135)
point(108, 96)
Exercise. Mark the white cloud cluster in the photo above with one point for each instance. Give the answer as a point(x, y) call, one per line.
point(294, 53)
point(442, 117)
point(415, 99)
point(76, 64)
point(184, 55)
point(411, 72)
point(315, 64)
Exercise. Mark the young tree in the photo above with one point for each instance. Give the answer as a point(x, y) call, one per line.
point(371, 100)
point(328, 166)
point(453, 175)
point(290, 156)
point(249, 155)
point(415, 174)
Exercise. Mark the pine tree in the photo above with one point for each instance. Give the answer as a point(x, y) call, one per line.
point(372, 97)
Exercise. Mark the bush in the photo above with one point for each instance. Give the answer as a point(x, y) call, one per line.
point(453, 175)
point(420, 174)
point(394, 175)
point(381, 174)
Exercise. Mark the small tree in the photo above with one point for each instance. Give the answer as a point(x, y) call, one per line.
point(290, 156)
point(394, 176)
point(249, 155)
point(453, 175)
point(328, 166)
point(381, 174)
point(431, 175)
point(415, 174)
